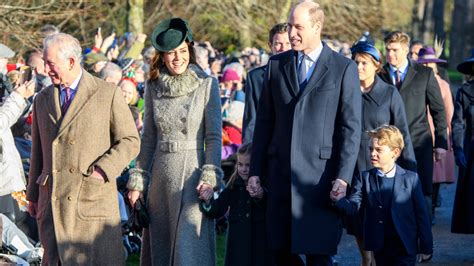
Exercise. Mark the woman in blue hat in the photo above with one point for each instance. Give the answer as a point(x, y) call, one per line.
point(180, 151)
point(381, 105)
point(463, 144)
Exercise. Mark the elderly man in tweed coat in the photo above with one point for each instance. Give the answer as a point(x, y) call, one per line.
point(83, 137)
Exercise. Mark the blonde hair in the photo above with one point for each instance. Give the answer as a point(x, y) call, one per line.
point(245, 149)
point(397, 36)
point(388, 135)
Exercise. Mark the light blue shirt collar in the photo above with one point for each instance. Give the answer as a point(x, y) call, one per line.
point(403, 71)
point(311, 59)
point(390, 173)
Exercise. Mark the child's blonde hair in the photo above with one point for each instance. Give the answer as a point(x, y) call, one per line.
point(245, 149)
point(388, 135)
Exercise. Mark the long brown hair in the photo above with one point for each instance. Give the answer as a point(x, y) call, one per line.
point(244, 150)
point(158, 64)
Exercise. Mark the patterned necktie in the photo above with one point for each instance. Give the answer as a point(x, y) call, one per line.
point(398, 79)
point(67, 100)
point(302, 73)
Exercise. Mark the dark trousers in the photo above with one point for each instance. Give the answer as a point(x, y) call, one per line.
point(284, 258)
point(394, 254)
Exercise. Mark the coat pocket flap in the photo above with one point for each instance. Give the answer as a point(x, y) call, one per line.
point(42, 179)
point(325, 153)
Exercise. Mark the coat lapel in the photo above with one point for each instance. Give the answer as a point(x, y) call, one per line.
point(378, 92)
point(399, 183)
point(320, 70)
point(409, 77)
point(289, 68)
point(53, 105)
point(85, 91)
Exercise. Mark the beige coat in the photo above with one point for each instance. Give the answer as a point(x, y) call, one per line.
point(77, 215)
point(181, 144)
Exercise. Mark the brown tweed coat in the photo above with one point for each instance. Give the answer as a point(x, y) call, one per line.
point(77, 215)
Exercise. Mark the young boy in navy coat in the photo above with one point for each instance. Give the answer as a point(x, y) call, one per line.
point(396, 222)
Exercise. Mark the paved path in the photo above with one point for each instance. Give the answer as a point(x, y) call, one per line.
point(449, 249)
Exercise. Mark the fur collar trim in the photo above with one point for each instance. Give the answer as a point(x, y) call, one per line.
point(179, 85)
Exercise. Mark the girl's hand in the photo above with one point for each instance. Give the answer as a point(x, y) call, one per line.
point(206, 194)
point(133, 196)
point(255, 191)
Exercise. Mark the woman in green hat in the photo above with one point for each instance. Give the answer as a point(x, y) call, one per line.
point(180, 151)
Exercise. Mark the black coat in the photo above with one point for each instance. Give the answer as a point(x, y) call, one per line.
point(462, 221)
point(409, 213)
point(463, 132)
point(383, 105)
point(253, 90)
point(303, 141)
point(246, 234)
point(419, 90)
point(462, 123)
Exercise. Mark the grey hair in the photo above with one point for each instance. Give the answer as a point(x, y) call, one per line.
point(67, 45)
point(109, 70)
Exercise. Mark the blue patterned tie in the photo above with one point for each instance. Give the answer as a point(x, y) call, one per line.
point(302, 72)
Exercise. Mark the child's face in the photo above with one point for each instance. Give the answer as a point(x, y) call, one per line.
point(243, 166)
point(381, 156)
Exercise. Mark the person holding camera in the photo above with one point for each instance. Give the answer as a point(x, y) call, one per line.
point(12, 177)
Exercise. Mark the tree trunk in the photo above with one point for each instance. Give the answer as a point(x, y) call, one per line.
point(135, 16)
point(427, 25)
point(417, 19)
point(438, 17)
point(458, 37)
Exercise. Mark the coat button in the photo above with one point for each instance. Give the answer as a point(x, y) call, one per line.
point(247, 215)
point(53, 198)
point(72, 170)
point(69, 198)
point(55, 143)
point(184, 131)
point(183, 119)
point(55, 171)
point(380, 222)
point(72, 142)
point(380, 206)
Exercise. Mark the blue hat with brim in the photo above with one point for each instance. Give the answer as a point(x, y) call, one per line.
point(170, 33)
point(366, 48)
point(467, 67)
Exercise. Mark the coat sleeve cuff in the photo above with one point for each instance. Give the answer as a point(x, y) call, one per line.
point(211, 174)
point(138, 179)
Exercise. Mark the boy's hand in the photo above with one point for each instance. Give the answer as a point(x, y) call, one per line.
point(336, 196)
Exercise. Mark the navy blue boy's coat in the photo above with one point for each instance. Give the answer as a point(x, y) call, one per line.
point(304, 140)
point(408, 209)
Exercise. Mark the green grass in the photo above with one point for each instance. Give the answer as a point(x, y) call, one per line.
point(134, 259)
point(455, 76)
point(220, 249)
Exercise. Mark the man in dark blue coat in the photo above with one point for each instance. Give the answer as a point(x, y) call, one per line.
point(306, 141)
point(278, 42)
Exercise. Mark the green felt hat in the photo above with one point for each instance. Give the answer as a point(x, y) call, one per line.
point(170, 33)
